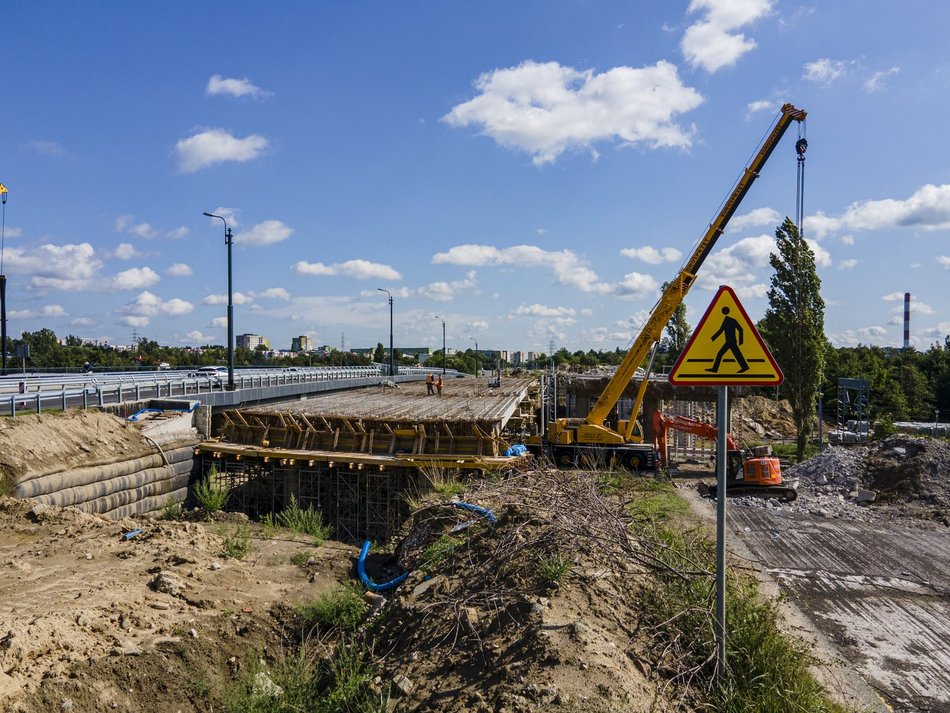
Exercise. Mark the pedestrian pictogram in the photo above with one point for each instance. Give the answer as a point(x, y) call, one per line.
point(726, 349)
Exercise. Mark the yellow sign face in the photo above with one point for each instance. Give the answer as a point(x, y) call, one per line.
point(726, 349)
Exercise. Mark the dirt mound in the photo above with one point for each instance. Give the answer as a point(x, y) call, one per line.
point(911, 470)
point(759, 417)
point(529, 612)
point(40, 443)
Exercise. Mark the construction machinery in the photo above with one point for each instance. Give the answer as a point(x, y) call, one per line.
point(590, 440)
point(759, 474)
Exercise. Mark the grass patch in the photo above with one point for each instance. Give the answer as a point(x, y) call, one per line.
point(171, 510)
point(300, 558)
point(436, 554)
point(210, 495)
point(551, 570)
point(304, 521)
point(237, 542)
point(443, 482)
point(789, 451)
point(766, 670)
point(342, 608)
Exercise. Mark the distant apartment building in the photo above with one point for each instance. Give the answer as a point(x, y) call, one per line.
point(252, 341)
point(517, 358)
point(302, 343)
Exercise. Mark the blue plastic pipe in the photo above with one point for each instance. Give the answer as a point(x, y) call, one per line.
point(370, 584)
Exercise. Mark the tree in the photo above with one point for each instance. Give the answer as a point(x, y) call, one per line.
point(379, 356)
point(794, 326)
point(677, 331)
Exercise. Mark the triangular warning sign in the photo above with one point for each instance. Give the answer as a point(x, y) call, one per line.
point(726, 349)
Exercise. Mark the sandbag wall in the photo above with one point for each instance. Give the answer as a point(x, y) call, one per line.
point(116, 490)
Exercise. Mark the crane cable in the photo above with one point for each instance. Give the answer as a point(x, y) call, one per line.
point(801, 146)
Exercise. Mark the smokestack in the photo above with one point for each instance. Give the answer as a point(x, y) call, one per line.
point(906, 320)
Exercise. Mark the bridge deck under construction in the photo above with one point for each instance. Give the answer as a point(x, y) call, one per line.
point(383, 425)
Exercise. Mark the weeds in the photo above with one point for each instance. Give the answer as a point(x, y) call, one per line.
point(445, 483)
point(550, 570)
point(269, 527)
point(237, 542)
point(342, 608)
point(171, 510)
point(300, 558)
point(211, 497)
point(435, 555)
point(305, 521)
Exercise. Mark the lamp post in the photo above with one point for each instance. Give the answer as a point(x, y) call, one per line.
point(3, 281)
point(443, 342)
point(392, 356)
point(476, 355)
point(228, 240)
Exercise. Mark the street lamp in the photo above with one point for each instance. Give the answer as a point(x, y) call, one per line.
point(392, 363)
point(228, 240)
point(443, 341)
point(476, 355)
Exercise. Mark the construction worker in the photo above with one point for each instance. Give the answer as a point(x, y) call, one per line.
point(430, 383)
point(438, 384)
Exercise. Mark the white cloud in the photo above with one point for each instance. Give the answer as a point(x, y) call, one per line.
point(63, 267)
point(274, 293)
point(928, 209)
point(825, 71)
point(737, 265)
point(125, 251)
point(822, 256)
point(177, 234)
point(147, 305)
point(125, 223)
point(854, 337)
point(358, 269)
point(849, 264)
point(759, 106)
point(479, 326)
point(267, 232)
point(847, 239)
point(713, 43)
point(219, 322)
point(546, 109)
point(82, 322)
point(636, 285)
point(238, 298)
point(754, 219)
point(135, 278)
point(229, 214)
point(893, 297)
point(47, 148)
point(235, 87)
point(537, 310)
point(568, 268)
point(13, 232)
point(196, 337)
point(944, 260)
point(446, 291)
point(180, 269)
point(878, 81)
point(651, 255)
point(214, 146)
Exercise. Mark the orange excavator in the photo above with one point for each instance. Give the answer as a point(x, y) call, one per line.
point(760, 475)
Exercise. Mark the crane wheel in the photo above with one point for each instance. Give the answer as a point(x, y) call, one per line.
point(633, 462)
point(565, 458)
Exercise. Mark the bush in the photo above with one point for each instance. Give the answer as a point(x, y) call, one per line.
point(551, 569)
point(237, 543)
point(305, 521)
point(300, 558)
point(342, 608)
point(171, 510)
point(211, 497)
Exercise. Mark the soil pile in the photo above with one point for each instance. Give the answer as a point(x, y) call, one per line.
point(758, 417)
point(534, 611)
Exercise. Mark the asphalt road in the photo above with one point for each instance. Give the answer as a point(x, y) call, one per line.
point(879, 592)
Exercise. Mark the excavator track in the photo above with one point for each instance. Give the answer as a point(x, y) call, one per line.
point(740, 489)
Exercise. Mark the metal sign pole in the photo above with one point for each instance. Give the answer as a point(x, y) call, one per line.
point(722, 424)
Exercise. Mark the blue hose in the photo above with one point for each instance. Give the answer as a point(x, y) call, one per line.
point(370, 584)
point(478, 510)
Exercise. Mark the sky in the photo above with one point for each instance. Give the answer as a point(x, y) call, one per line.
point(528, 172)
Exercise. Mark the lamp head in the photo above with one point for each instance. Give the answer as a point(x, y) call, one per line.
point(210, 215)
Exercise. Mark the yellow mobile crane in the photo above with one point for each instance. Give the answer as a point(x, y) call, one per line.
point(571, 440)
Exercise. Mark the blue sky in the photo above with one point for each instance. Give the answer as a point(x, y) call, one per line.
point(529, 171)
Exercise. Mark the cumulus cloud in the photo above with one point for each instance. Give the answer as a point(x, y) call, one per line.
point(146, 305)
point(445, 291)
point(180, 269)
point(878, 81)
point(62, 267)
point(738, 265)
point(234, 87)
point(849, 264)
point(636, 285)
point(267, 232)
point(854, 337)
point(944, 260)
point(196, 337)
point(125, 251)
point(215, 146)
point(135, 278)
point(125, 223)
point(754, 219)
point(759, 106)
point(825, 71)
point(822, 256)
point(927, 209)
point(274, 293)
point(567, 267)
point(238, 298)
point(537, 310)
point(713, 43)
point(82, 322)
point(178, 233)
point(478, 325)
point(651, 255)
point(219, 322)
point(358, 269)
point(47, 311)
point(546, 109)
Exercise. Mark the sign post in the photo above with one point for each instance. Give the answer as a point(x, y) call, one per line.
point(724, 349)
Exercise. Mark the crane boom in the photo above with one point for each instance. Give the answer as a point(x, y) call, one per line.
point(676, 290)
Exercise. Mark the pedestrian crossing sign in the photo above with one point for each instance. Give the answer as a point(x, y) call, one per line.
point(726, 349)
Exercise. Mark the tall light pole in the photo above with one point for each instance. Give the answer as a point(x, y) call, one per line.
point(476, 355)
point(3, 281)
point(392, 356)
point(443, 342)
point(228, 240)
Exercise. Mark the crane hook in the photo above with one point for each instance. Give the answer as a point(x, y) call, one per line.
point(801, 146)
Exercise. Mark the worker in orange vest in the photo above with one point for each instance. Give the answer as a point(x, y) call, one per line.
point(430, 382)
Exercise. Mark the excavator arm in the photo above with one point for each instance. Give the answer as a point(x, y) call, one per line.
point(662, 423)
point(593, 425)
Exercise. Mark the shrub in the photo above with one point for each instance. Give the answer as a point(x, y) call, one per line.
point(305, 521)
point(211, 497)
point(237, 542)
point(342, 608)
point(551, 569)
point(171, 510)
point(300, 558)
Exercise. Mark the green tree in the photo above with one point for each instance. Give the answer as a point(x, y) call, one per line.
point(379, 356)
point(677, 332)
point(794, 326)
